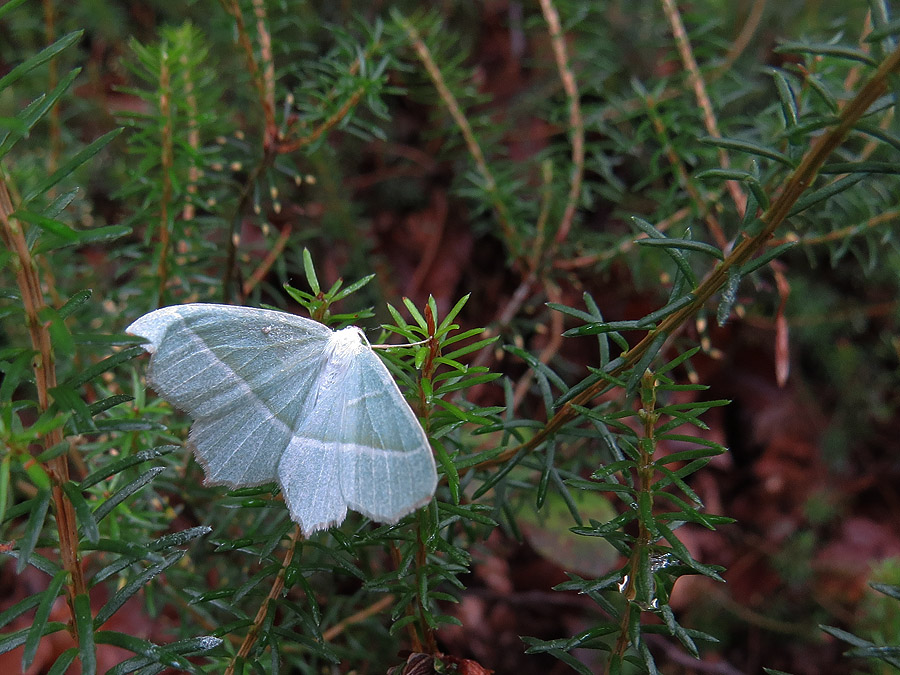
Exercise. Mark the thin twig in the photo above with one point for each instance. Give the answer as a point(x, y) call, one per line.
point(510, 310)
point(268, 71)
point(243, 38)
point(260, 272)
point(465, 129)
point(884, 218)
point(292, 146)
point(375, 608)
point(743, 39)
point(550, 350)
point(699, 87)
point(576, 122)
point(684, 178)
point(274, 592)
point(624, 245)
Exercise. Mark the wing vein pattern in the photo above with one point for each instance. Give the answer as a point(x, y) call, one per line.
point(276, 397)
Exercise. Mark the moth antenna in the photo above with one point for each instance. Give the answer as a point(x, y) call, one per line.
point(408, 344)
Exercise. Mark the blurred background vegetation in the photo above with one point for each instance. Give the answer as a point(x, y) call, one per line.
point(166, 153)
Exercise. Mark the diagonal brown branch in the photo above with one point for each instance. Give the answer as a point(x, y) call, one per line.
point(798, 182)
point(264, 607)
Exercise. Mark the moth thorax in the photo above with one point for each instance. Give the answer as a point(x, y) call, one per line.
point(344, 344)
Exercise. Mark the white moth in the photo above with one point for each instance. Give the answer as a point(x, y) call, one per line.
point(276, 397)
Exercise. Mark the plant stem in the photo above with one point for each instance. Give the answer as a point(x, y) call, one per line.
point(45, 380)
point(277, 586)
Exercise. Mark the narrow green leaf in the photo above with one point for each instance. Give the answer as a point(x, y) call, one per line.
point(352, 288)
point(18, 609)
point(454, 311)
point(884, 30)
point(39, 621)
point(465, 335)
point(468, 512)
point(887, 589)
point(844, 636)
point(10, 641)
point(123, 425)
point(786, 95)
point(603, 328)
point(179, 538)
point(122, 596)
point(49, 225)
point(33, 529)
point(880, 134)
point(861, 167)
point(499, 475)
point(415, 313)
point(68, 400)
point(670, 308)
point(677, 361)
point(84, 627)
point(683, 245)
point(16, 370)
point(611, 468)
point(748, 147)
point(87, 374)
point(645, 511)
point(538, 366)
point(120, 496)
point(809, 199)
point(766, 258)
point(604, 529)
point(827, 49)
point(74, 303)
point(7, 7)
point(570, 661)
point(637, 372)
point(727, 174)
point(310, 271)
point(71, 164)
point(398, 318)
point(684, 487)
point(884, 653)
point(450, 471)
point(473, 347)
point(675, 254)
point(63, 661)
point(729, 296)
point(688, 455)
point(680, 551)
point(546, 470)
point(97, 235)
point(39, 562)
point(40, 58)
point(61, 203)
point(105, 404)
point(331, 292)
point(82, 511)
